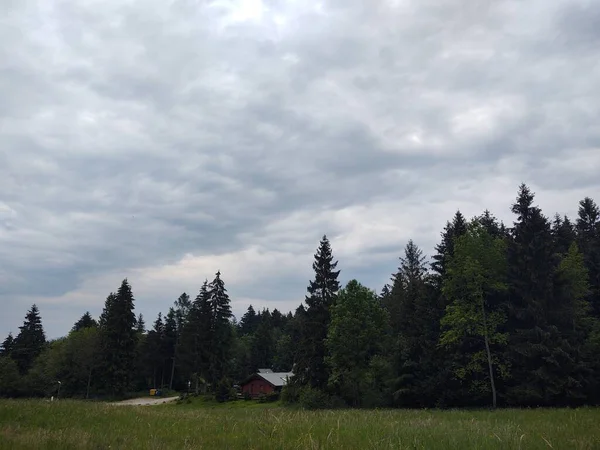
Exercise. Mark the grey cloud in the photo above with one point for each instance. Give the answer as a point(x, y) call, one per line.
point(132, 135)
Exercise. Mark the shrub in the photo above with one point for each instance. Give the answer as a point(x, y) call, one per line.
point(267, 398)
point(311, 398)
point(290, 394)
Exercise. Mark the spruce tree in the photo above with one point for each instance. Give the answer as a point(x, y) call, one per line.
point(118, 337)
point(588, 238)
point(195, 338)
point(86, 321)
point(310, 367)
point(7, 345)
point(445, 249)
point(417, 325)
point(262, 349)
point(30, 341)
point(536, 348)
point(171, 341)
point(155, 353)
point(249, 322)
point(140, 324)
point(221, 331)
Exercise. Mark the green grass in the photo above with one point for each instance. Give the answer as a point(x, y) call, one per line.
point(33, 424)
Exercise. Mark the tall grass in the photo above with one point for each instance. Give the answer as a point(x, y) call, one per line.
point(31, 424)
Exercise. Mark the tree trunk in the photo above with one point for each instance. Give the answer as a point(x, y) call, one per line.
point(489, 354)
point(87, 391)
point(172, 373)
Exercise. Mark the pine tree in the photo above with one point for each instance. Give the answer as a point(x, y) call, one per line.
point(221, 331)
point(536, 348)
point(140, 325)
point(171, 341)
point(417, 322)
point(30, 341)
point(118, 337)
point(249, 322)
point(445, 249)
point(563, 233)
point(155, 353)
point(262, 349)
point(7, 345)
point(195, 338)
point(86, 321)
point(322, 291)
point(588, 238)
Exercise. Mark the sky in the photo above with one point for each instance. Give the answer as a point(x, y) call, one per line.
point(163, 140)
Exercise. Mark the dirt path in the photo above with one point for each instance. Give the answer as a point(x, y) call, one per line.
point(145, 401)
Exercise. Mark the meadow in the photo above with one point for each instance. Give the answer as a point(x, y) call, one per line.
point(39, 424)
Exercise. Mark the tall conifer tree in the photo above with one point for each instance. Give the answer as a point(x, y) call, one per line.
point(30, 341)
point(322, 291)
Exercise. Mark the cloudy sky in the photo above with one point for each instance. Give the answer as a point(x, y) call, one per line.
point(164, 140)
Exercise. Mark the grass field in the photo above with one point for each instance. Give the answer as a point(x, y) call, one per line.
point(33, 424)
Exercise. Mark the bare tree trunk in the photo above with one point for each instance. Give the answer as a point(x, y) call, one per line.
point(489, 354)
point(172, 373)
point(87, 391)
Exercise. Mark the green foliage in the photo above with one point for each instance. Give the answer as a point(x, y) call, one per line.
point(10, 379)
point(310, 368)
point(118, 341)
point(356, 335)
point(519, 306)
point(474, 284)
point(30, 341)
point(86, 321)
point(312, 398)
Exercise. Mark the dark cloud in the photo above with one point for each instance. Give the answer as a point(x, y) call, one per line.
point(163, 141)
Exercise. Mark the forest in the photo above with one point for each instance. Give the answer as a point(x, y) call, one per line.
point(501, 316)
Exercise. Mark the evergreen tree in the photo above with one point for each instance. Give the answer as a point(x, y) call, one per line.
point(7, 345)
point(155, 353)
point(171, 340)
point(195, 338)
point(418, 325)
point(263, 343)
point(86, 321)
point(563, 233)
point(118, 336)
point(322, 291)
point(221, 332)
point(249, 322)
point(140, 325)
point(30, 341)
point(445, 249)
point(536, 348)
point(588, 238)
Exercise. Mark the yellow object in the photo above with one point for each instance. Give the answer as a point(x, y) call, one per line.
point(152, 392)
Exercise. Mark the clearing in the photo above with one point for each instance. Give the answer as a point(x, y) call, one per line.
point(39, 424)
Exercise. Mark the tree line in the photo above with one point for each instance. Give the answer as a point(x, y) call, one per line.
point(500, 316)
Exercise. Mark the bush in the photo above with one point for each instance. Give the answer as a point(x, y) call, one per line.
point(290, 394)
point(311, 398)
point(268, 398)
point(247, 396)
point(225, 391)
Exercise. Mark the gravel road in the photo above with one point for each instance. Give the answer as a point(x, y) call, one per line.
point(145, 401)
